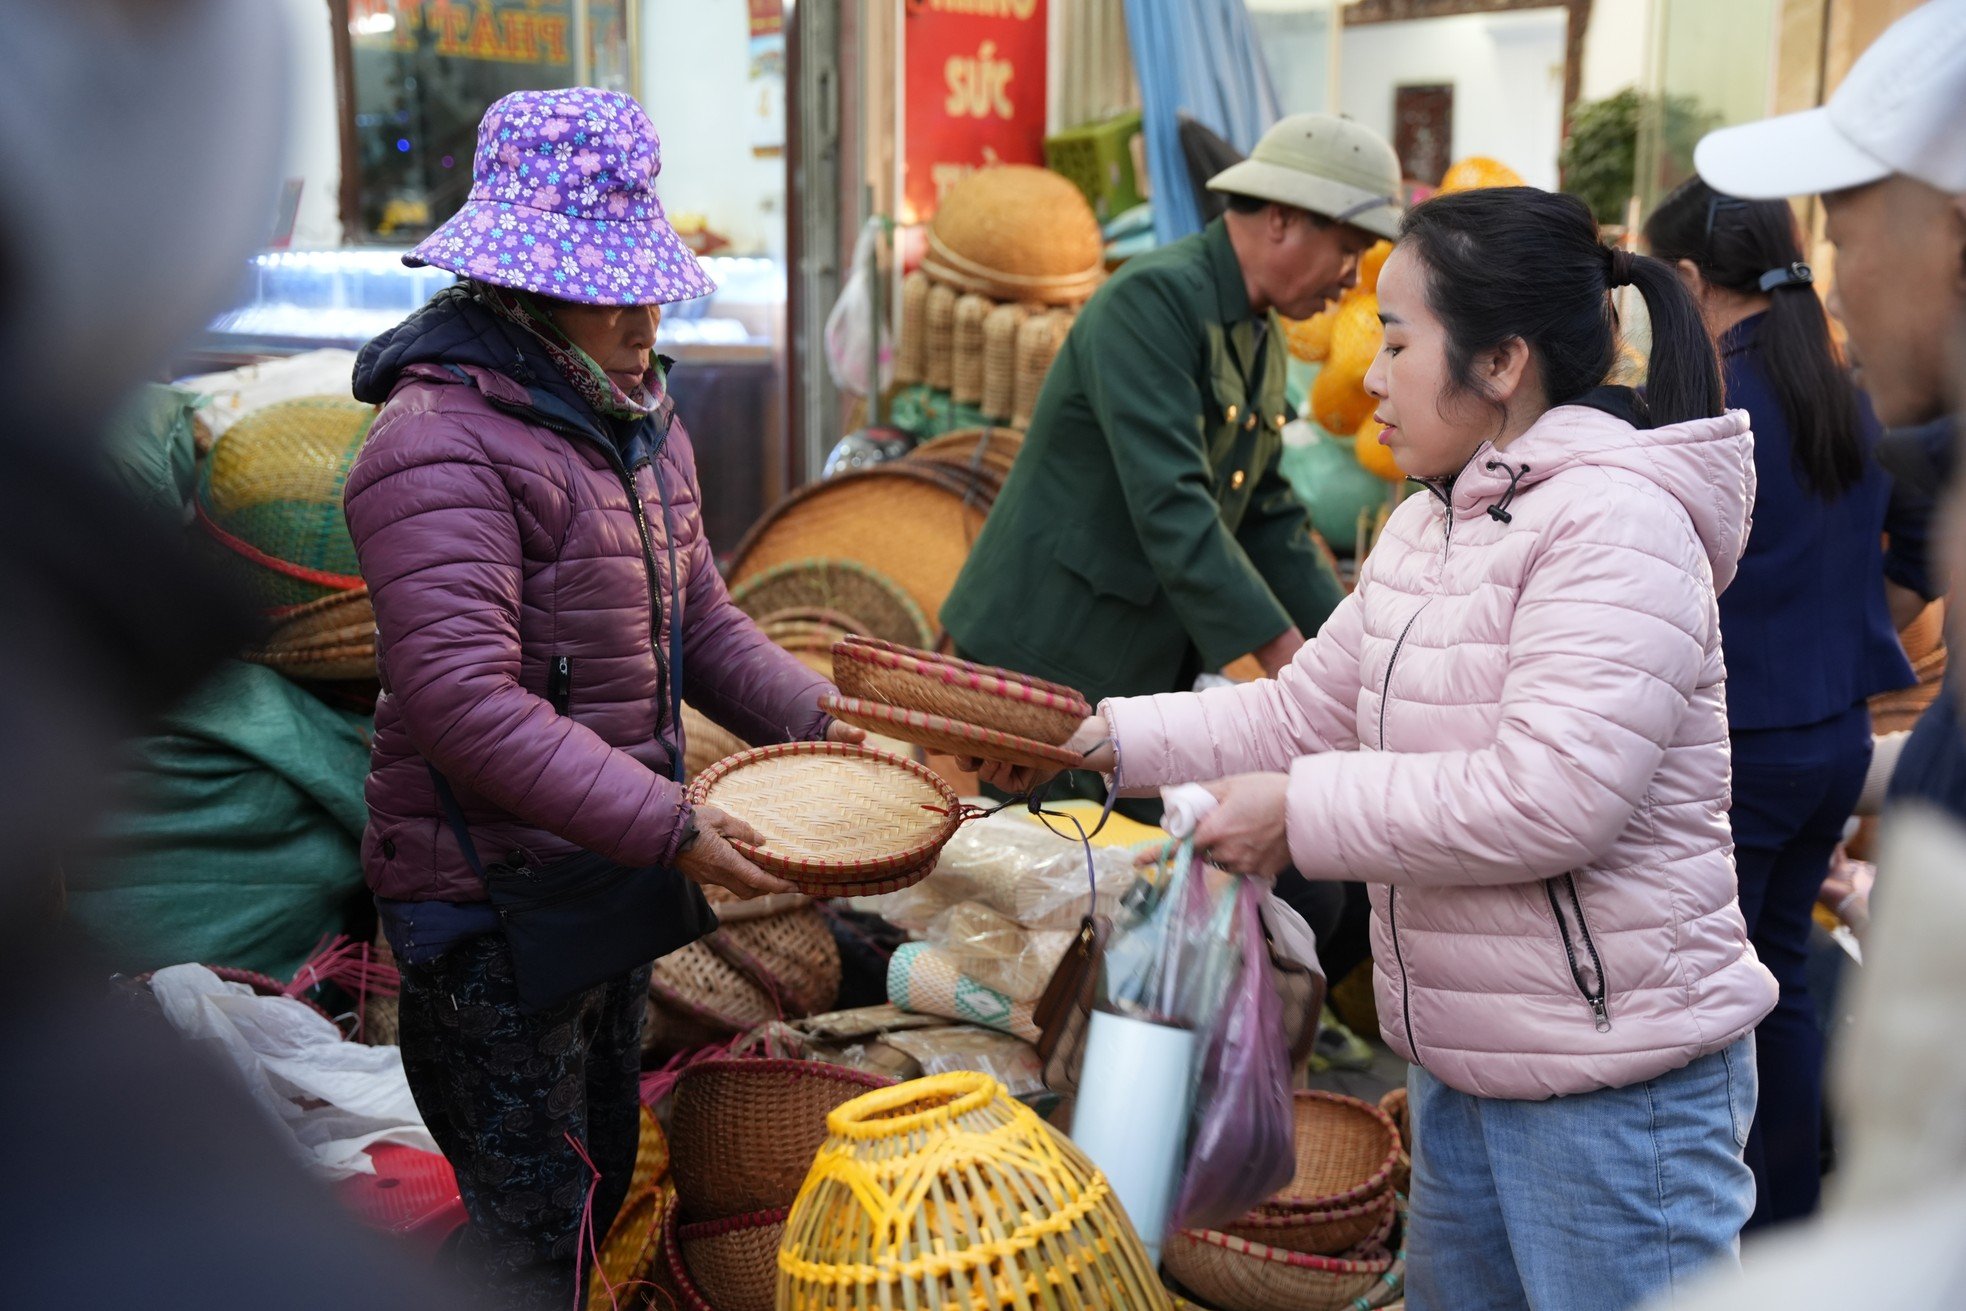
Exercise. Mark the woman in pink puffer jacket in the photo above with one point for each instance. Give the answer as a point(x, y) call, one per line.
point(1515, 730)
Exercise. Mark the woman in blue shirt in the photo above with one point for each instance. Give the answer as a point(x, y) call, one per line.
point(1806, 628)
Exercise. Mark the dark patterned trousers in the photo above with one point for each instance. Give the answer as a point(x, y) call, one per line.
point(500, 1091)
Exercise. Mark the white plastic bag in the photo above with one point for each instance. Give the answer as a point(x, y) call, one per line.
point(850, 327)
point(336, 1098)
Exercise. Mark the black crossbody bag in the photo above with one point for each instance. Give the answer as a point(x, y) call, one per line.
point(575, 923)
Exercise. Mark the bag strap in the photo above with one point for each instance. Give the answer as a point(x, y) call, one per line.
point(454, 814)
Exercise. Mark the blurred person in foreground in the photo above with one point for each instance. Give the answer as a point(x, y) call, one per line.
point(138, 1172)
point(1889, 156)
point(525, 512)
point(1806, 625)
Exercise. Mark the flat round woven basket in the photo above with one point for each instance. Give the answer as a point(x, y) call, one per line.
point(1321, 1233)
point(833, 813)
point(331, 639)
point(911, 521)
point(979, 695)
point(745, 1130)
point(949, 736)
point(811, 642)
point(1238, 1275)
point(1346, 1152)
point(878, 605)
point(734, 1262)
point(973, 448)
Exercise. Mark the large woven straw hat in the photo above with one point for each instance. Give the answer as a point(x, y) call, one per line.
point(1325, 164)
point(1016, 233)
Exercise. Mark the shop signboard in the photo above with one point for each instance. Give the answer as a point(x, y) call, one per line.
point(975, 88)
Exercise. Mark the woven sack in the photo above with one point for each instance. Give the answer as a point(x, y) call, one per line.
point(911, 356)
point(912, 522)
point(939, 338)
point(877, 605)
point(1038, 342)
point(904, 1168)
point(1237, 1275)
point(270, 494)
point(1000, 330)
point(746, 1130)
point(734, 1262)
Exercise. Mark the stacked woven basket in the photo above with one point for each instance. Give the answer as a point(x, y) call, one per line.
point(1329, 1240)
point(774, 958)
point(744, 1135)
point(1013, 250)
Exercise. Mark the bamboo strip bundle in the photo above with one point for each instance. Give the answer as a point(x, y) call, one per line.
point(939, 337)
point(966, 373)
point(945, 1193)
point(1000, 329)
point(910, 359)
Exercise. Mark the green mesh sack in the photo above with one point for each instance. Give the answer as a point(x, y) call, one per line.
point(270, 493)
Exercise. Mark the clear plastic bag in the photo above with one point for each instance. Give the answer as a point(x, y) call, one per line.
point(1242, 1147)
point(1022, 871)
point(996, 951)
point(850, 331)
point(1171, 957)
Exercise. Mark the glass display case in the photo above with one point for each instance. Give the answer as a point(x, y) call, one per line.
point(728, 346)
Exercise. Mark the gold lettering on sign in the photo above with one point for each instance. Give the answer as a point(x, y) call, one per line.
point(979, 87)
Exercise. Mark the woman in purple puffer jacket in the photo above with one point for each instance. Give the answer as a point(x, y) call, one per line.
point(526, 515)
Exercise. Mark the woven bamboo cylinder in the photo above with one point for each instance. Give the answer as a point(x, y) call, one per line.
point(1037, 345)
point(939, 337)
point(946, 1193)
point(966, 370)
point(1000, 328)
point(910, 358)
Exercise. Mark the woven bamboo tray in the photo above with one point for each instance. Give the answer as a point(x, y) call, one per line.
point(946, 1193)
point(1237, 1275)
point(734, 1262)
point(1346, 1152)
point(909, 520)
point(1334, 1232)
point(793, 955)
point(878, 606)
point(949, 736)
point(833, 814)
point(979, 695)
point(809, 640)
point(746, 1130)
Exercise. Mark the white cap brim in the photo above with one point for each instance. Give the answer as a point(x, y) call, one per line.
point(1794, 155)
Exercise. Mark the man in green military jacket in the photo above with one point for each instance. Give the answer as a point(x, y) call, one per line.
point(1145, 534)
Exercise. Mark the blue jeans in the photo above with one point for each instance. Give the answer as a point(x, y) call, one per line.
point(1594, 1202)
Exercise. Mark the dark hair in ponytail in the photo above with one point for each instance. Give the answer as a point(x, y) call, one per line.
point(1509, 262)
point(1733, 243)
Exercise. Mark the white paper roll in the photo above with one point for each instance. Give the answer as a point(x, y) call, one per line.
point(1132, 1114)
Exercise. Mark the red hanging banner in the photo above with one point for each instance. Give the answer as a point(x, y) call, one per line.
point(975, 93)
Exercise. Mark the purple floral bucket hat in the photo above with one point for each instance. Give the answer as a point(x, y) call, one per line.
point(563, 204)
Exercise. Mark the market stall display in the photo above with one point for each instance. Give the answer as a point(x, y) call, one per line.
point(910, 521)
point(880, 606)
point(905, 1168)
point(840, 820)
point(1012, 250)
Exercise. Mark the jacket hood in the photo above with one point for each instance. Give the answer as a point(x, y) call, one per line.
point(454, 329)
point(1707, 465)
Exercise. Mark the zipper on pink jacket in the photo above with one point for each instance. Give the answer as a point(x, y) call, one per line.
point(1392, 889)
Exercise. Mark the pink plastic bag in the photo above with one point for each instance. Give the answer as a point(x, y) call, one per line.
point(1243, 1146)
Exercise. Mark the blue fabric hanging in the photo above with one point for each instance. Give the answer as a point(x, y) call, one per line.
point(1197, 57)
